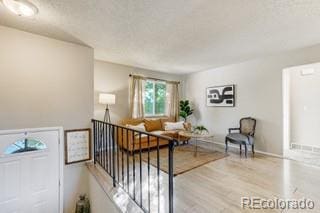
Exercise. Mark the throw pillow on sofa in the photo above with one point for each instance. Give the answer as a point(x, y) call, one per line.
point(152, 125)
point(139, 127)
point(169, 126)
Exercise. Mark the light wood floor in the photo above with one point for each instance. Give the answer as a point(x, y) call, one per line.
point(304, 156)
point(218, 186)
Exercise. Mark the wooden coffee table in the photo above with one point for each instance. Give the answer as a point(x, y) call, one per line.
point(197, 137)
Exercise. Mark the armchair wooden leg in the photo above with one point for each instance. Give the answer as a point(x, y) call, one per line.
point(246, 150)
point(240, 149)
point(253, 149)
point(226, 145)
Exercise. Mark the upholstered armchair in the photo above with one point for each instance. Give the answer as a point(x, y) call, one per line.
point(243, 135)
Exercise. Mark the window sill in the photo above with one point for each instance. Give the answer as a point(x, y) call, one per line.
point(155, 116)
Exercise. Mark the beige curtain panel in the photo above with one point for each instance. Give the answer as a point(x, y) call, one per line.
point(172, 100)
point(137, 97)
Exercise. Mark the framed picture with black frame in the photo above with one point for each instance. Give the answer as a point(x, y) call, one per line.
point(77, 145)
point(221, 96)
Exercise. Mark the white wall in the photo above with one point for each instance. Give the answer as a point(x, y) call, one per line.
point(46, 82)
point(114, 78)
point(258, 94)
point(305, 105)
point(99, 201)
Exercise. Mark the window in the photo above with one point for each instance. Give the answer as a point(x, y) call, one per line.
point(155, 98)
point(25, 145)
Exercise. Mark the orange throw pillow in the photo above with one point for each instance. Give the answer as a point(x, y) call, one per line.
point(153, 125)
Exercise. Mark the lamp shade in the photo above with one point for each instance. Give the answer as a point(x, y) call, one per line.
point(105, 98)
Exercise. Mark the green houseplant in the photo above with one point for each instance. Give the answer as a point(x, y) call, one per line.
point(185, 109)
point(200, 129)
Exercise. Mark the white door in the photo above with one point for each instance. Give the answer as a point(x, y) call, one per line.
point(29, 172)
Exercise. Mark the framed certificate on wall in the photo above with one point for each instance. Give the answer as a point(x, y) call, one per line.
point(77, 145)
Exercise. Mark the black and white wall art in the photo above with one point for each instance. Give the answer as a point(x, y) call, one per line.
point(221, 96)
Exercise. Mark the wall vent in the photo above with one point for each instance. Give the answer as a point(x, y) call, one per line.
point(316, 149)
point(307, 71)
point(307, 148)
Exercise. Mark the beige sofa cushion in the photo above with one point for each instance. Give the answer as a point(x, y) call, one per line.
point(174, 126)
point(139, 127)
point(158, 132)
point(164, 120)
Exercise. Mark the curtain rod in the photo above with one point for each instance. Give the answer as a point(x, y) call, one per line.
point(156, 79)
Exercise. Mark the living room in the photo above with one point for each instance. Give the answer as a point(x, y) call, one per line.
point(227, 59)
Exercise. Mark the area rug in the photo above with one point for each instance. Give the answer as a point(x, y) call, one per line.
point(184, 158)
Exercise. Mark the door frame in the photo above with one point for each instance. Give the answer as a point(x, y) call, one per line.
point(286, 109)
point(61, 153)
point(286, 104)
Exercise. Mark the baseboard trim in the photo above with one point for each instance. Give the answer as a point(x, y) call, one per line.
point(270, 154)
point(257, 151)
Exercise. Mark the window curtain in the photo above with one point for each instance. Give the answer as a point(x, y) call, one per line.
point(172, 100)
point(137, 96)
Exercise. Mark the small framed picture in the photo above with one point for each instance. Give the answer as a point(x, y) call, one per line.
point(221, 96)
point(77, 145)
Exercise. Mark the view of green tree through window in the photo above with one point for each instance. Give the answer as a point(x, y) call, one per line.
point(155, 98)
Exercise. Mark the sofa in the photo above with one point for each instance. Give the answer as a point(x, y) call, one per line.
point(156, 126)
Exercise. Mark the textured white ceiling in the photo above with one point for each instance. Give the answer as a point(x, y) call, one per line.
point(176, 36)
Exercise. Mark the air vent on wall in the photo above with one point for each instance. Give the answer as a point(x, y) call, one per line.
point(316, 149)
point(305, 148)
point(307, 71)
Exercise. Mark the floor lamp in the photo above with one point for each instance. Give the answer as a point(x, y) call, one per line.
point(107, 99)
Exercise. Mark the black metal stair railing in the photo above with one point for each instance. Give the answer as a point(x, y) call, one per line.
point(126, 165)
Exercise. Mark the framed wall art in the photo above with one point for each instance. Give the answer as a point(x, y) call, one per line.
point(77, 145)
point(221, 96)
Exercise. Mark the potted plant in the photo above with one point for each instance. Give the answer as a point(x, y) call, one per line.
point(185, 109)
point(201, 130)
